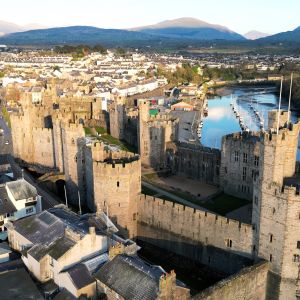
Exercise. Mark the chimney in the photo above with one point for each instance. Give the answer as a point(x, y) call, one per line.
point(92, 231)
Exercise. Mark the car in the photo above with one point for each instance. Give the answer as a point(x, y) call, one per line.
point(6, 142)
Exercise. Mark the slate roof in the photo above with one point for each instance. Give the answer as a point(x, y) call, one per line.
point(21, 189)
point(80, 276)
point(56, 249)
point(6, 206)
point(18, 285)
point(131, 277)
point(49, 225)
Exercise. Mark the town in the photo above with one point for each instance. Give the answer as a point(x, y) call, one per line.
point(108, 190)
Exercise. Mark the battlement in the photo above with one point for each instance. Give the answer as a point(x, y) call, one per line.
point(115, 168)
point(271, 137)
point(285, 191)
point(197, 147)
point(251, 137)
point(195, 225)
point(196, 213)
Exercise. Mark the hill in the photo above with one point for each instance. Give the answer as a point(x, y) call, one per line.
point(78, 35)
point(288, 36)
point(190, 28)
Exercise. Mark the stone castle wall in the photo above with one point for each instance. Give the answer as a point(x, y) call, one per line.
point(240, 157)
point(250, 283)
point(194, 161)
point(198, 226)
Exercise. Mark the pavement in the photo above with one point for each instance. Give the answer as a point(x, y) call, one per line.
point(187, 122)
point(48, 199)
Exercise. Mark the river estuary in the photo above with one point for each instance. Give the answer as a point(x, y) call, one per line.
point(221, 119)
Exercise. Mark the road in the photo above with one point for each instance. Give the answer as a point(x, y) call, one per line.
point(48, 200)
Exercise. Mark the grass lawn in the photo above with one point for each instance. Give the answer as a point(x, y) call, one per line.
point(108, 139)
point(224, 204)
point(221, 204)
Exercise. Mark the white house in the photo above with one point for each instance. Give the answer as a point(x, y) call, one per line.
point(18, 199)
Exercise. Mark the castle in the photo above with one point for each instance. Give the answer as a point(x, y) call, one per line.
point(257, 166)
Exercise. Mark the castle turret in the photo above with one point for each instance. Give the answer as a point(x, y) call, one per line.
point(276, 209)
point(117, 186)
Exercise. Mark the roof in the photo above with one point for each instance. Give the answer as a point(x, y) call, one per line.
point(4, 248)
point(18, 285)
point(49, 225)
point(131, 277)
point(6, 206)
point(56, 249)
point(21, 189)
point(80, 276)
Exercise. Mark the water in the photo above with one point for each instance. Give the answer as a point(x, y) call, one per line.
point(221, 119)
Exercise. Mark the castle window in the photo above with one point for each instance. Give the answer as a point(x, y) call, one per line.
point(73, 142)
point(134, 217)
point(118, 183)
point(229, 243)
point(271, 238)
point(245, 158)
point(244, 173)
point(256, 161)
point(298, 244)
point(271, 258)
point(273, 210)
point(236, 155)
point(296, 258)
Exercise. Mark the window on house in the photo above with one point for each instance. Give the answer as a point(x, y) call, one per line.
point(225, 169)
point(271, 258)
point(29, 210)
point(134, 217)
point(298, 245)
point(256, 160)
point(245, 158)
point(271, 238)
point(118, 183)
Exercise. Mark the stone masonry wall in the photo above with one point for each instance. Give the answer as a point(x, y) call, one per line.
point(249, 284)
point(196, 225)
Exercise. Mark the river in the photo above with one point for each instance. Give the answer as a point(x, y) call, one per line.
point(221, 119)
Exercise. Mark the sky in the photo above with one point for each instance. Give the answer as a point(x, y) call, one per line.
point(269, 16)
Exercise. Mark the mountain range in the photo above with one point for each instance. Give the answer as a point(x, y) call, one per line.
point(177, 33)
point(190, 28)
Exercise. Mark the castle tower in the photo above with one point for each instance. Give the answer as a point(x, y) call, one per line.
point(116, 117)
point(276, 209)
point(117, 186)
point(73, 141)
point(154, 134)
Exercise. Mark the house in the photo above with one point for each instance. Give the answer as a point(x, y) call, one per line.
point(5, 251)
point(18, 199)
point(130, 277)
point(182, 106)
point(61, 246)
